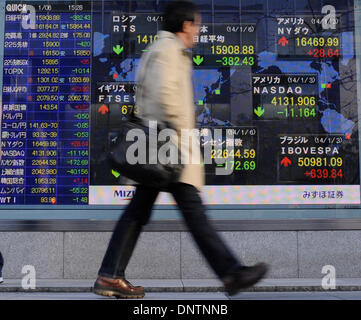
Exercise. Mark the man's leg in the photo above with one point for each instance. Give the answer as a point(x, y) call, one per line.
point(218, 255)
point(127, 231)
point(228, 268)
point(111, 280)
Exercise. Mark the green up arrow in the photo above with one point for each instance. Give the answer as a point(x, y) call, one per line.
point(198, 60)
point(259, 111)
point(116, 174)
point(118, 49)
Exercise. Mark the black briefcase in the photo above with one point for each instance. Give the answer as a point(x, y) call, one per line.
point(154, 174)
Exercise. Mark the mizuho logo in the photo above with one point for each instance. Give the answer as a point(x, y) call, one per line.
point(124, 194)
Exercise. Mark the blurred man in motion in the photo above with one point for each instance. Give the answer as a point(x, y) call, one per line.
point(167, 95)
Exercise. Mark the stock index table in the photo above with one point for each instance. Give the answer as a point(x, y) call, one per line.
point(280, 76)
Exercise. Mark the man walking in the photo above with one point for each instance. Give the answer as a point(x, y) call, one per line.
point(167, 95)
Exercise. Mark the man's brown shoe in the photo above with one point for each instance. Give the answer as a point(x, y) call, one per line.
point(119, 288)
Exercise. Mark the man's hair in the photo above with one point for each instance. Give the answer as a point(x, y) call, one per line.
point(176, 13)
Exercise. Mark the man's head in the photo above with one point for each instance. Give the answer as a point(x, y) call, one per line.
point(183, 19)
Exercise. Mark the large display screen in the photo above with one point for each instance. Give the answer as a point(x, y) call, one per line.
point(281, 76)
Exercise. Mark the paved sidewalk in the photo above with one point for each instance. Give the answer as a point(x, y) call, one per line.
point(184, 286)
point(283, 296)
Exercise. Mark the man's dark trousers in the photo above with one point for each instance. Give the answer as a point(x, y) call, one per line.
point(138, 213)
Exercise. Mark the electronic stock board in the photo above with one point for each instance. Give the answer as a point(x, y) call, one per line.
point(281, 75)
